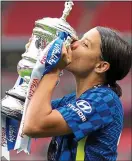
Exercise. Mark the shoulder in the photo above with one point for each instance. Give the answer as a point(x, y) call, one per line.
point(101, 98)
point(62, 101)
point(104, 92)
point(70, 96)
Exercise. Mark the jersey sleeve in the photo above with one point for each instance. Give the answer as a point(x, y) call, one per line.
point(88, 114)
point(55, 103)
point(61, 101)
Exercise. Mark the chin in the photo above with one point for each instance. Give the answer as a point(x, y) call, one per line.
point(68, 68)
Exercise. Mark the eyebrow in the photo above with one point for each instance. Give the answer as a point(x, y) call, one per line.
point(88, 40)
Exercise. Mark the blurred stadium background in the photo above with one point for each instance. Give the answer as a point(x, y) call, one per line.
point(17, 23)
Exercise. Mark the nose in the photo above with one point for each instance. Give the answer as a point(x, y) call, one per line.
point(75, 44)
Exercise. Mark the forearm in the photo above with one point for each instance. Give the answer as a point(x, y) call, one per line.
point(40, 104)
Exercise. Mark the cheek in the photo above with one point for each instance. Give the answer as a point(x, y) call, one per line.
point(81, 63)
point(83, 58)
point(86, 64)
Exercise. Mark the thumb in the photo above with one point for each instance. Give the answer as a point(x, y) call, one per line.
point(66, 54)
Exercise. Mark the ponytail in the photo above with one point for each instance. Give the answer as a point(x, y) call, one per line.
point(118, 53)
point(116, 88)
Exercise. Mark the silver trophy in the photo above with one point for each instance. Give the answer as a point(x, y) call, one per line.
point(45, 31)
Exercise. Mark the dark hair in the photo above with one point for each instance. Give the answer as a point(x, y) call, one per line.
point(118, 53)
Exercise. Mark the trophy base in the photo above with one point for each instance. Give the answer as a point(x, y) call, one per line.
point(13, 114)
point(12, 108)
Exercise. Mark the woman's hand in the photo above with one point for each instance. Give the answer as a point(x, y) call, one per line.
point(66, 58)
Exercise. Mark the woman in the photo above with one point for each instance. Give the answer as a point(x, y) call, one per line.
point(94, 112)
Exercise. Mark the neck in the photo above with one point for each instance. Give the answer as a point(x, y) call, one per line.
point(85, 83)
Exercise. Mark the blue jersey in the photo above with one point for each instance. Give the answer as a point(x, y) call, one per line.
point(96, 121)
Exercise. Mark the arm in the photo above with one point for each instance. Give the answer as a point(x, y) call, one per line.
point(41, 120)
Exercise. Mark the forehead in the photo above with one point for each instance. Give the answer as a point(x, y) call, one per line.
point(93, 35)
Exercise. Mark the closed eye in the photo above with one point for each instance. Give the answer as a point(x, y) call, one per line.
point(85, 44)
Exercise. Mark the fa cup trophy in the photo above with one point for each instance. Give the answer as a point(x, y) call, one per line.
point(46, 30)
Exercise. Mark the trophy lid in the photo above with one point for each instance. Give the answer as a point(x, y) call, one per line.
point(59, 24)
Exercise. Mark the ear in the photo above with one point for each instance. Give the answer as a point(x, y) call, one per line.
point(102, 67)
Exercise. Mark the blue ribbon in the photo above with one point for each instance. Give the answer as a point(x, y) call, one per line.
point(53, 57)
point(54, 53)
point(12, 127)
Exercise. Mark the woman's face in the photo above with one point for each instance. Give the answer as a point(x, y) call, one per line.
point(85, 53)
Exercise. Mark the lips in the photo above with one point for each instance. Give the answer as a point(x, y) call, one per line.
point(74, 44)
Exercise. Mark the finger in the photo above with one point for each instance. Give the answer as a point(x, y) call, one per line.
point(69, 51)
point(64, 49)
point(66, 54)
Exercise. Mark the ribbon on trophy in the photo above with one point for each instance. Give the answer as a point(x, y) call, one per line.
point(48, 58)
point(5, 152)
point(9, 130)
point(10, 126)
